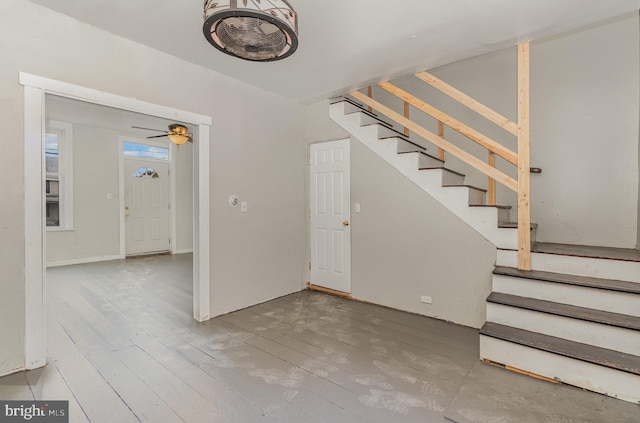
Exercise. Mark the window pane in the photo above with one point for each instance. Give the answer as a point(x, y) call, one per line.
point(145, 151)
point(145, 171)
point(51, 152)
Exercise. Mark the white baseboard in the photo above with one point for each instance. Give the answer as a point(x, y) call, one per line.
point(185, 251)
point(84, 260)
point(10, 372)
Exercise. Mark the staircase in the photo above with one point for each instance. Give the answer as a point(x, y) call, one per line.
point(574, 318)
point(428, 172)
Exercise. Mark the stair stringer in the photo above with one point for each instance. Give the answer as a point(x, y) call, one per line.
point(484, 220)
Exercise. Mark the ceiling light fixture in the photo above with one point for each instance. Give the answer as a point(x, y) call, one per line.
point(178, 134)
point(256, 30)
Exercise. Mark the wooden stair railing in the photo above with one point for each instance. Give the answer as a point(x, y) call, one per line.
point(521, 159)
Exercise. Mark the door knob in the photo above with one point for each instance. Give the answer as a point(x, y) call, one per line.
point(126, 207)
point(126, 215)
point(345, 223)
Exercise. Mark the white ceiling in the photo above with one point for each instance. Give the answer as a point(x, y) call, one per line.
point(346, 44)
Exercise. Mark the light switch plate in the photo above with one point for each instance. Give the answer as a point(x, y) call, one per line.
point(243, 207)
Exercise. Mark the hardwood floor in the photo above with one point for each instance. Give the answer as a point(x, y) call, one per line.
point(123, 347)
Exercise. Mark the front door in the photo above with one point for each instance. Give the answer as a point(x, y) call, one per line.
point(330, 215)
point(146, 194)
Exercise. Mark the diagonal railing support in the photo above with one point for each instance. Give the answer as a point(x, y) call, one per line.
point(456, 151)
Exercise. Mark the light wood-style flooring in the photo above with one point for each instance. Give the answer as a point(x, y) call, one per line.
point(123, 347)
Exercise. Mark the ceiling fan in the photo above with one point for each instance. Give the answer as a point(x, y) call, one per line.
point(177, 133)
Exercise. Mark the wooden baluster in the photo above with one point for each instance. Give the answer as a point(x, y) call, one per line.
point(407, 115)
point(524, 200)
point(492, 182)
point(370, 95)
point(441, 135)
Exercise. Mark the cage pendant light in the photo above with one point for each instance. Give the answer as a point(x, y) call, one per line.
point(257, 30)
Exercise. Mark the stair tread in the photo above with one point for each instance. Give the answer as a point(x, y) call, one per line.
point(624, 254)
point(567, 310)
point(497, 206)
point(424, 154)
point(401, 137)
point(396, 131)
point(591, 354)
point(464, 185)
point(350, 101)
point(378, 121)
point(443, 168)
point(514, 225)
point(606, 284)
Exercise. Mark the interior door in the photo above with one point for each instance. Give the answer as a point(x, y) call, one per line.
point(330, 215)
point(146, 194)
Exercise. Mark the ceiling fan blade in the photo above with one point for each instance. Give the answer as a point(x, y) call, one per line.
point(157, 136)
point(148, 129)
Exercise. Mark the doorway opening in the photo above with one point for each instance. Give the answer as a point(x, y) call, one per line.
point(35, 90)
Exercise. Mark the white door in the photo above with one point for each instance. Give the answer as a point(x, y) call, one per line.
point(330, 215)
point(146, 199)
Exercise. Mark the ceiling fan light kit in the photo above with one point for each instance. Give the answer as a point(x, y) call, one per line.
point(256, 30)
point(178, 134)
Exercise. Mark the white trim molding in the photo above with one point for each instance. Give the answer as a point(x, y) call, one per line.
point(83, 260)
point(35, 89)
point(185, 251)
point(34, 226)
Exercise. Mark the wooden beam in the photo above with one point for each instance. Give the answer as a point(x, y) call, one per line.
point(441, 135)
point(524, 200)
point(312, 287)
point(452, 123)
point(474, 105)
point(492, 182)
point(370, 94)
point(471, 160)
point(407, 115)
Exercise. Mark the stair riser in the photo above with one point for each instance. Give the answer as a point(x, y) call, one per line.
point(448, 178)
point(365, 119)
point(429, 162)
point(349, 108)
point(403, 146)
point(474, 196)
point(581, 266)
point(599, 299)
point(600, 335)
point(384, 132)
point(614, 383)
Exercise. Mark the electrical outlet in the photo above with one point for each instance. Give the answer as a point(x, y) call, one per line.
point(426, 299)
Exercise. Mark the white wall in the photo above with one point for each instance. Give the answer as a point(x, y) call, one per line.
point(96, 132)
point(96, 221)
point(584, 112)
point(184, 198)
point(258, 152)
point(404, 243)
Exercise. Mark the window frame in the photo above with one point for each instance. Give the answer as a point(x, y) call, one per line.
point(64, 132)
